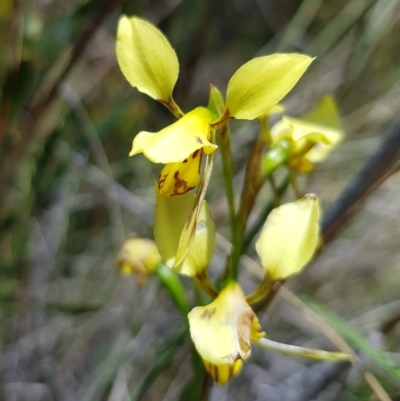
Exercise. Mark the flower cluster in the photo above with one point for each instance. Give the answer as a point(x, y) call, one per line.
point(183, 228)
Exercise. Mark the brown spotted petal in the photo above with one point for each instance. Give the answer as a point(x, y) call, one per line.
point(222, 330)
point(179, 178)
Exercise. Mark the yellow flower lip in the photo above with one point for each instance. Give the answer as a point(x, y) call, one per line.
point(178, 141)
point(222, 331)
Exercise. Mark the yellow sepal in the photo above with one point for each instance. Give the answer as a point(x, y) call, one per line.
point(222, 330)
point(178, 141)
point(146, 58)
point(170, 216)
point(289, 237)
point(261, 83)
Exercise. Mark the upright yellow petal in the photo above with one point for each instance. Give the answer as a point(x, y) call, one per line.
point(146, 58)
point(289, 237)
point(170, 217)
point(222, 330)
point(178, 141)
point(261, 83)
point(179, 178)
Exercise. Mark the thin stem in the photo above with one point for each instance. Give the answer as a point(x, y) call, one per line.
point(206, 285)
point(309, 353)
point(173, 285)
point(251, 186)
point(263, 289)
point(172, 106)
point(224, 145)
point(221, 121)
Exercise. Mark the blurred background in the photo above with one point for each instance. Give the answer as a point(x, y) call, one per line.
point(72, 328)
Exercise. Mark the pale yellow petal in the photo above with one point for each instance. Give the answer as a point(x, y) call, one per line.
point(170, 217)
point(289, 237)
point(261, 83)
point(178, 141)
point(222, 330)
point(146, 58)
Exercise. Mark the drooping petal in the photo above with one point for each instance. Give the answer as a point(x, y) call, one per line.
point(179, 178)
point(170, 216)
point(261, 83)
point(146, 58)
point(178, 141)
point(222, 330)
point(289, 237)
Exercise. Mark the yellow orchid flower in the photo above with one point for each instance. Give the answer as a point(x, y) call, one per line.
point(150, 64)
point(289, 237)
point(222, 331)
point(140, 256)
point(170, 216)
point(310, 138)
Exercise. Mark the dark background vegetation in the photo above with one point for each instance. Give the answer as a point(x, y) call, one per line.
point(73, 328)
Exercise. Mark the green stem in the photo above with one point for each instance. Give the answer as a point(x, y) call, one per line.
point(263, 216)
point(224, 145)
point(173, 285)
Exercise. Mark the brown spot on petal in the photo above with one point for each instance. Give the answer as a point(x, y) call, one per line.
point(199, 140)
point(161, 181)
point(195, 153)
point(185, 161)
point(208, 313)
